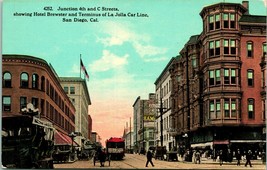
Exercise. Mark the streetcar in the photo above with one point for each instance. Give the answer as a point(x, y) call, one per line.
point(27, 142)
point(115, 148)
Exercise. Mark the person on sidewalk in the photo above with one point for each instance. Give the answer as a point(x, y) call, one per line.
point(248, 158)
point(149, 158)
point(238, 157)
point(221, 157)
point(197, 156)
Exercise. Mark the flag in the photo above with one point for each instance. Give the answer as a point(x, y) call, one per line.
point(84, 70)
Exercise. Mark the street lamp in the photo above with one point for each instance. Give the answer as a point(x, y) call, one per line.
point(72, 135)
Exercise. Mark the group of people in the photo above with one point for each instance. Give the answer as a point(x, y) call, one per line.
point(238, 156)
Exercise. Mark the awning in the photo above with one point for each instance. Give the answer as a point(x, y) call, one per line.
point(62, 139)
point(201, 145)
point(247, 141)
point(220, 142)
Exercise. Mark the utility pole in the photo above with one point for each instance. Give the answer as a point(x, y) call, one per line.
point(161, 122)
point(143, 125)
point(130, 136)
point(161, 108)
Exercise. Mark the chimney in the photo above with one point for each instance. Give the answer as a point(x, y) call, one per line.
point(246, 5)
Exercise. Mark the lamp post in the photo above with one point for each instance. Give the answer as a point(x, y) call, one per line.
point(72, 135)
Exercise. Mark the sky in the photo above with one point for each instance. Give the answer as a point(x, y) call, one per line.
point(123, 55)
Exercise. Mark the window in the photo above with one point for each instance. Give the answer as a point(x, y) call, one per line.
point(233, 76)
point(226, 76)
point(232, 20)
point(218, 109)
point(226, 108)
point(66, 90)
point(233, 46)
point(250, 77)
point(226, 46)
point(225, 21)
point(211, 79)
point(217, 21)
point(72, 90)
point(218, 77)
point(212, 115)
point(35, 102)
point(264, 49)
point(24, 80)
point(35, 81)
point(233, 108)
point(251, 108)
point(217, 47)
point(23, 102)
point(211, 22)
point(211, 48)
point(43, 83)
point(249, 49)
point(6, 103)
point(194, 62)
point(264, 110)
point(7, 79)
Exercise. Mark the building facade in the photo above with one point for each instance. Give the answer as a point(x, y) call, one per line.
point(28, 79)
point(163, 129)
point(219, 81)
point(77, 91)
point(144, 116)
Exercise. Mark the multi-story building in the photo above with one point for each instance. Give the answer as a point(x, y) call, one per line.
point(76, 89)
point(28, 79)
point(143, 114)
point(219, 81)
point(163, 128)
point(128, 138)
point(90, 127)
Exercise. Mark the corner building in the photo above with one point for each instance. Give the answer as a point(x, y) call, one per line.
point(28, 79)
point(219, 81)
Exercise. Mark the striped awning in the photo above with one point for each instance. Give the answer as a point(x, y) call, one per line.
point(63, 139)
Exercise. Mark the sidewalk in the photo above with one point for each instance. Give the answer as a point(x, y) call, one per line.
point(234, 162)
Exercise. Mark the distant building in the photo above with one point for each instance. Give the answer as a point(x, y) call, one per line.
point(144, 117)
point(76, 89)
point(90, 126)
point(28, 79)
point(163, 86)
point(128, 138)
point(219, 86)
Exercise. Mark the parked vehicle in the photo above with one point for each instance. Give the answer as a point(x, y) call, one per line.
point(160, 151)
point(27, 142)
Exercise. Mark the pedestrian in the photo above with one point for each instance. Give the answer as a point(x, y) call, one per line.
point(238, 157)
point(149, 158)
point(197, 156)
point(248, 158)
point(102, 157)
point(221, 157)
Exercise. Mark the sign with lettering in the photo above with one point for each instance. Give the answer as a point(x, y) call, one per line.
point(149, 117)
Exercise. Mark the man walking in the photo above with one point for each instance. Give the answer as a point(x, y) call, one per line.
point(149, 158)
point(248, 157)
point(238, 157)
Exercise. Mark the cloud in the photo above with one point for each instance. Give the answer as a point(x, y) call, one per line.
point(147, 52)
point(118, 34)
point(108, 61)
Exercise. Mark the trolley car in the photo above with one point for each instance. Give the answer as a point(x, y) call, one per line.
point(115, 148)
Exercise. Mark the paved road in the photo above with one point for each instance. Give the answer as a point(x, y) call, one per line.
point(134, 161)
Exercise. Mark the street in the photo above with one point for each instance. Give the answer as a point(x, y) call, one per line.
point(135, 161)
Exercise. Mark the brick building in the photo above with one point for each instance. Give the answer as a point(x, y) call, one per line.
point(219, 81)
point(28, 79)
